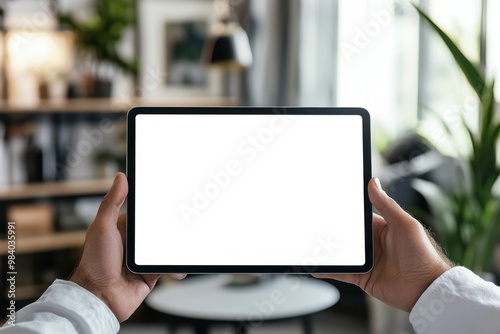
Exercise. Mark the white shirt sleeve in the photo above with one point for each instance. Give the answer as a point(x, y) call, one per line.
point(458, 302)
point(65, 307)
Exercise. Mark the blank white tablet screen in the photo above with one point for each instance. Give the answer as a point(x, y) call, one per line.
point(249, 190)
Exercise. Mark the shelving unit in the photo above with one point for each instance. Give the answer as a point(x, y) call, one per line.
point(96, 106)
point(45, 243)
point(61, 114)
point(50, 190)
point(53, 241)
point(55, 189)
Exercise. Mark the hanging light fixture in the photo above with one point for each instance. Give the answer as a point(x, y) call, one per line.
point(227, 45)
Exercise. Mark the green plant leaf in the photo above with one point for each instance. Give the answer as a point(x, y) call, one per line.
point(471, 137)
point(487, 111)
point(469, 218)
point(470, 71)
point(444, 125)
point(442, 212)
point(491, 235)
point(99, 35)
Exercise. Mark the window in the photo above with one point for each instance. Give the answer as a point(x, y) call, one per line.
point(378, 58)
point(401, 71)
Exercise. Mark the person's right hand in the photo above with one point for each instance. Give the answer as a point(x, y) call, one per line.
point(406, 259)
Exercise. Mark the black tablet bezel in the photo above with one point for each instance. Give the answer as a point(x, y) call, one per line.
point(300, 269)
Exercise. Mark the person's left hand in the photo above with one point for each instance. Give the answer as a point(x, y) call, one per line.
point(102, 268)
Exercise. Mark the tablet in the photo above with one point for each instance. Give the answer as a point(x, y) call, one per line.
point(248, 190)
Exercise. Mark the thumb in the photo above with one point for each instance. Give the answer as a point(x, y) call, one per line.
point(386, 206)
point(113, 201)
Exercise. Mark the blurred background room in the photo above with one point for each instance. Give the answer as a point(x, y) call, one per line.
point(71, 69)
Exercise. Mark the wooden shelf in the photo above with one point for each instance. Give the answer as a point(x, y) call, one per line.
point(44, 243)
point(55, 189)
point(109, 105)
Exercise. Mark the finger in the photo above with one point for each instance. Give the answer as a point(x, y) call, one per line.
point(378, 219)
point(112, 202)
point(378, 224)
point(150, 280)
point(122, 226)
point(347, 278)
point(330, 276)
point(386, 206)
point(178, 276)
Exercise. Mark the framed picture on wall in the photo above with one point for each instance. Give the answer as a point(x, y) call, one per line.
point(171, 38)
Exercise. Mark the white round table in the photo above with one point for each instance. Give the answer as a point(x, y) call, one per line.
point(208, 299)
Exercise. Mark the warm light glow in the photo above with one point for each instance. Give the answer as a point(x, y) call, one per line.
point(1, 47)
point(46, 54)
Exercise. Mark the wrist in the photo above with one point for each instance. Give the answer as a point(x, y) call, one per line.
point(79, 277)
point(439, 269)
point(442, 264)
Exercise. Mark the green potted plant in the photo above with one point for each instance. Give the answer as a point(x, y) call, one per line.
point(467, 219)
point(97, 38)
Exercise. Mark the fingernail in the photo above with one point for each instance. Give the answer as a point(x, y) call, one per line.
point(379, 185)
point(116, 177)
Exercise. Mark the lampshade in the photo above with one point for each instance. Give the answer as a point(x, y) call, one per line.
point(37, 62)
point(44, 53)
point(227, 46)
